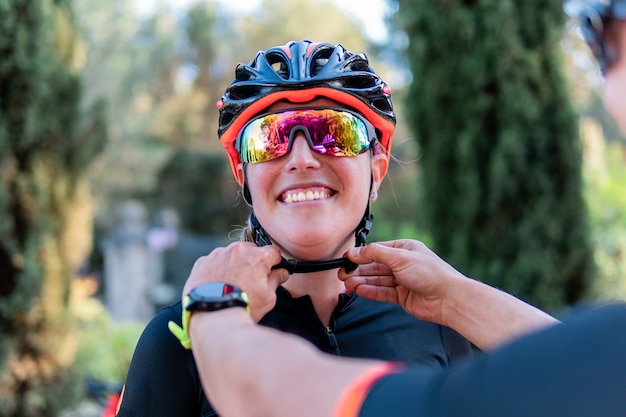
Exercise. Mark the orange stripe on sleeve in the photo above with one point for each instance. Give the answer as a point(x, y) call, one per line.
point(351, 399)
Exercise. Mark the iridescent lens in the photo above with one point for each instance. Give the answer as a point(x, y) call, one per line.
point(328, 131)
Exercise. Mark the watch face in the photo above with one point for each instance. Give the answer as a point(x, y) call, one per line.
point(215, 296)
point(212, 291)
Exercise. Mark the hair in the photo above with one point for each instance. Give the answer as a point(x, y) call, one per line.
point(246, 234)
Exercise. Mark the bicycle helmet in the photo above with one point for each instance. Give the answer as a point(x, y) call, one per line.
point(300, 72)
point(592, 17)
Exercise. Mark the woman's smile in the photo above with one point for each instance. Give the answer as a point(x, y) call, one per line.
point(297, 195)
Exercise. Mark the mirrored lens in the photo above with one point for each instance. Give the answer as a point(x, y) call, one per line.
point(328, 131)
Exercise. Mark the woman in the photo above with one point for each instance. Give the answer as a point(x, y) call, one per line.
point(310, 198)
point(307, 128)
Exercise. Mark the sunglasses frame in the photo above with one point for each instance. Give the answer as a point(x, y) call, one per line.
point(371, 131)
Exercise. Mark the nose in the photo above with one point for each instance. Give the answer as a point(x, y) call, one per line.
point(301, 155)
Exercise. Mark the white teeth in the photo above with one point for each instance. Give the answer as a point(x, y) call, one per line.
point(308, 196)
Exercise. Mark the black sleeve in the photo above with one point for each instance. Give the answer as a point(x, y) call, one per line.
point(575, 369)
point(162, 378)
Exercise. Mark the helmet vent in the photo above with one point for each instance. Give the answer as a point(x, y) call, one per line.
point(241, 92)
point(360, 65)
point(320, 58)
point(359, 81)
point(242, 73)
point(318, 65)
point(279, 65)
point(226, 118)
point(383, 105)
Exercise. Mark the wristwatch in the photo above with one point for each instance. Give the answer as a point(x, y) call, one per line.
point(215, 296)
point(212, 296)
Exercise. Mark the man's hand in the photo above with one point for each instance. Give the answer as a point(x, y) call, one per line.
point(247, 266)
point(403, 272)
point(407, 273)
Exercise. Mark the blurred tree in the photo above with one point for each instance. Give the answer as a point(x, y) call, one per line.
point(46, 144)
point(195, 183)
point(133, 63)
point(279, 21)
point(161, 76)
point(501, 154)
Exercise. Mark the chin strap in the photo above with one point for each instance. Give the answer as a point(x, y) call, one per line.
point(260, 235)
point(302, 267)
point(364, 227)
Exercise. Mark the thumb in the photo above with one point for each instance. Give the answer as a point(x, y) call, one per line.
point(278, 277)
point(372, 252)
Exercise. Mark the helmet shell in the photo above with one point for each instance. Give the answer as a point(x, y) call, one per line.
point(300, 72)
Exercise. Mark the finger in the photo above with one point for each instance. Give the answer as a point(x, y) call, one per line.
point(397, 255)
point(271, 254)
point(366, 269)
point(372, 269)
point(354, 282)
point(376, 293)
point(407, 244)
point(374, 253)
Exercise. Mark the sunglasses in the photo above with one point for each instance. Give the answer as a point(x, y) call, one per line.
point(593, 18)
point(335, 132)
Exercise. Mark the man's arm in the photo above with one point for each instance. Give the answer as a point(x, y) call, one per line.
point(408, 273)
point(258, 371)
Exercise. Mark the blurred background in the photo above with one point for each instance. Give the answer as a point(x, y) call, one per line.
point(112, 180)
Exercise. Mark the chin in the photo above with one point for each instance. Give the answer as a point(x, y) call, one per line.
point(317, 248)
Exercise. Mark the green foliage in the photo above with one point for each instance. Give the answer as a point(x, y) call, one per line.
point(46, 143)
point(501, 156)
point(397, 204)
point(106, 347)
point(606, 193)
point(280, 21)
point(199, 186)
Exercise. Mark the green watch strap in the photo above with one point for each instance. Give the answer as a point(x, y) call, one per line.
point(182, 333)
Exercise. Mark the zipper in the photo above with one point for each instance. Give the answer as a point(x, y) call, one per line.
point(332, 339)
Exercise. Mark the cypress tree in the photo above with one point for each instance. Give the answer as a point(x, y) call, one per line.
point(45, 148)
point(500, 153)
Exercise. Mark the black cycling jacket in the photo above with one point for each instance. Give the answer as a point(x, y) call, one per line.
point(163, 381)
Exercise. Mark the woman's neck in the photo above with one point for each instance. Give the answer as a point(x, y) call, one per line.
point(323, 287)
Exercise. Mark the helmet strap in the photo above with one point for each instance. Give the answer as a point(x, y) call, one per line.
point(364, 227)
point(260, 235)
point(245, 191)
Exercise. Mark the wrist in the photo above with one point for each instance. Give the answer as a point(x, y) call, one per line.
point(217, 323)
point(206, 298)
point(454, 304)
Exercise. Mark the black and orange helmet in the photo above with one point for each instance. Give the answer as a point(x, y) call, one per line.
point(300, 72)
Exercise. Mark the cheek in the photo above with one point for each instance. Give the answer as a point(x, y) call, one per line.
point(360, 180)
point(257, 177)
